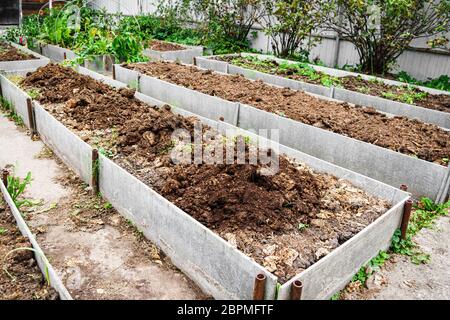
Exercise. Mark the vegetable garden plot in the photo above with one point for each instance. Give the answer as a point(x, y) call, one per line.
point(425, 104)
point(163, 50)
point(85, 113)
point(15, 57)
point(411, 137)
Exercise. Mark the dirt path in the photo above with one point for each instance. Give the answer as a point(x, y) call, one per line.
point(95, 251)
point(401, 279)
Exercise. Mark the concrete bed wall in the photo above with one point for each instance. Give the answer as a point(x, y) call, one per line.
point(173, 229)
point(16, 97)
point(74, 152)
point(436, 117)
point(56, 53)
point(23, 64)
point(42, 261)
point(186, 56)
point(423, 178)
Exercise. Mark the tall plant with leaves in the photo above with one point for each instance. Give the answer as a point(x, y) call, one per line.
point(289, 23)
point(382, 29)
point(227, 24)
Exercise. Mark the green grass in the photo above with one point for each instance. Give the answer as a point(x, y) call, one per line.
point(424, 216)
point(6, 107)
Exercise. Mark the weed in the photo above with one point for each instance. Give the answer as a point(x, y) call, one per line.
point(16, 187)
point(107, 206)
point(302, 226)
point(388, 95)
point(139, 234)
point(6, 106)
point(3, 231)
point(373, 266)
point(34, 93)
point(336, 296)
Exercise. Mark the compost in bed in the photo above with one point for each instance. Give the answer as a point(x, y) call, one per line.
point(158, 45)
point(411, 137)
point(286, 221)
point(10, 53)
point(406, 94)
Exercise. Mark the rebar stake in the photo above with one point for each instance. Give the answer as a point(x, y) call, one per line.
point(296, 290)
point(114, 72)
point(95, 171)
point(5, 174)
point(31, 117)
point(406, 215)
point(260, 287)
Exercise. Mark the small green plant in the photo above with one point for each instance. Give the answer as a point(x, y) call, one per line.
point(33, 93)
point(6, 106)
point(336, 296)
point(3, 231)
point(16, 187)
point(426, 212)
point(302, 226)
point(107, 206)
point(373, 266)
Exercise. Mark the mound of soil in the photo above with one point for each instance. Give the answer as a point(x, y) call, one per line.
point(286, 221)
point(10, 53)
point(439, 102)
point(158, 45)
point(411, 137)
point(28, 282)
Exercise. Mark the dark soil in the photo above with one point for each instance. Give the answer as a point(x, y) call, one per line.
point(411, 137)
point(285, 222)
point(10, 53)
point(158, 45)
point(439, 102)
point(28, 282)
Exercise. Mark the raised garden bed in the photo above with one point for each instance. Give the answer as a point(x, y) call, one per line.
point(80, 103)
point(274, 107)
point(15, 57)
point(163, 50)
point(389, 96)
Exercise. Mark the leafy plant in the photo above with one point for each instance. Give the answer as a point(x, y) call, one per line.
point(16, 187)
point(440, 83)
point(381, 30)
point(226, 24)
point(373, 266)
point(3, 231)
point(290, 23)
